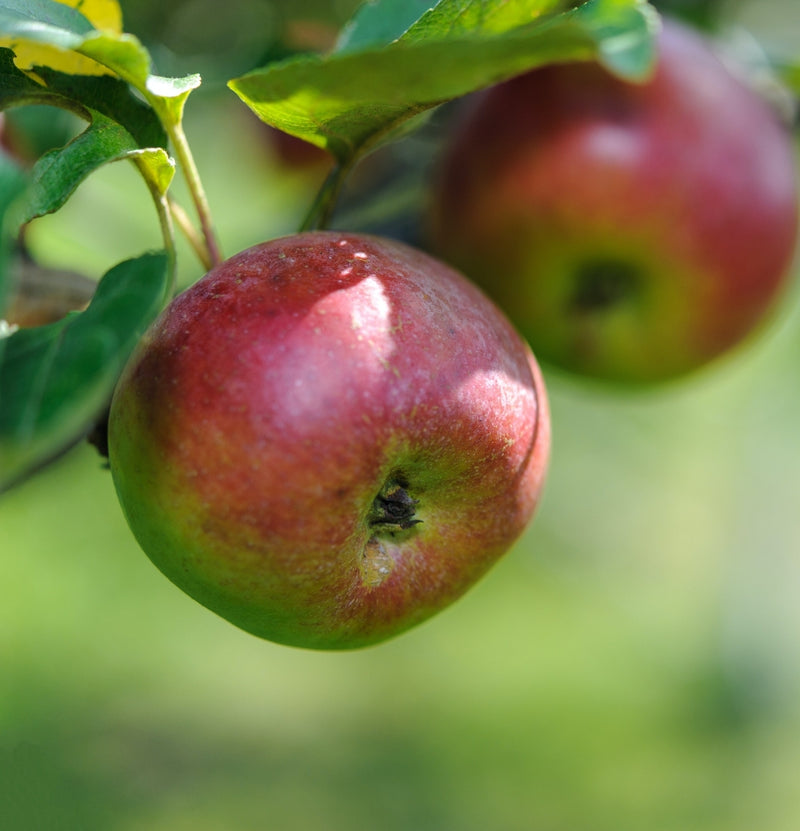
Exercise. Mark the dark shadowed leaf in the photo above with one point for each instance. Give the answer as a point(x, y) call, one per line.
point(121, 126)
point(80, 93)
point(17, 89)
point(111, 97)
point(13, 181)
point(56, 380)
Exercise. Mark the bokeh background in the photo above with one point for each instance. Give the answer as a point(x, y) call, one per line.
point(633, 663)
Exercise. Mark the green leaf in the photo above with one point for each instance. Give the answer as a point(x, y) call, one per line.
point(381, 22)
point(56, 380)
point(121, 127)
point(625, 36)
point(81, 94)
point(156, 166)
point(17, 89)
point(13, 181)
point(52, 24)
point(171, 93)
point(58, 173)
point(111, 97)
point(42, 19)
point(453, 18)
point(351, 100)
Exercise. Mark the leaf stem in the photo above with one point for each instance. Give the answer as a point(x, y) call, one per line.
point(170, 115)
point(191, 233)
point(167, 231)
point(319, 215)
point(187, 164)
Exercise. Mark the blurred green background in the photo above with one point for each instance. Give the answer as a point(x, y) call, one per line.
point(633, 663)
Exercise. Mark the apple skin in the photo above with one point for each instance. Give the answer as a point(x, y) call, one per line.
point(632, 232)
point(329, 438)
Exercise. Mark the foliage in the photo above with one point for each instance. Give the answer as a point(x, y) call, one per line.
point(635, 660)
point(373, 86)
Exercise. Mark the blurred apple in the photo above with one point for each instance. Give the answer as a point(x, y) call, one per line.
point(329, 438)
point(41, 295)
point(631, 231)
point(295, 154)
point(27, 133)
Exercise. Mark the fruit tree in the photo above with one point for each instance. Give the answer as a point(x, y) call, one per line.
point(337, 431)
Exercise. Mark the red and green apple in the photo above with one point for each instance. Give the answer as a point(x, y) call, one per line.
point(329, 438)
point(631, 231)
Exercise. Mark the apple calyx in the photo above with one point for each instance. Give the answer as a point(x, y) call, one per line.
point(392, 515)
point(602, 284)
point(393, 509)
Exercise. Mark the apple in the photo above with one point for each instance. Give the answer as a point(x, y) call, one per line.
point(329, 438)
point(632, 232)
point(295, 154)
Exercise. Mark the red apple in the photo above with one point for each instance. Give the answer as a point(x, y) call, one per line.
point(294, 154)
point(329, 438)
point(631, 231)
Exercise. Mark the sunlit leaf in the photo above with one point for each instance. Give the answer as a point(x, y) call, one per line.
point(157, 167)
point(449, 19)
point(170, 94)
point(381, 22)
point(350, 100)
point(47, 23)
point(56, 380)
point(41, 20)
point(102, 15)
